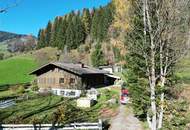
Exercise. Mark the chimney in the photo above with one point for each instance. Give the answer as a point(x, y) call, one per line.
point(82, 65)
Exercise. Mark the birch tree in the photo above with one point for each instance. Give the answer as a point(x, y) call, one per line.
point(162, 40)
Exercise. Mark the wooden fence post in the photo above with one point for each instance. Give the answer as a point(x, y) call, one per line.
point(100, 124)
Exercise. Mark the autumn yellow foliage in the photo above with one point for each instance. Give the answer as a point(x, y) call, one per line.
point(121, 14)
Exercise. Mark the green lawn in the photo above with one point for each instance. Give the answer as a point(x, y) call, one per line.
point(183, 69)
point(24, 111)
point(16, 70)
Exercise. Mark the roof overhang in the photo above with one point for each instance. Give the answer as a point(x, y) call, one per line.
point(113, 76)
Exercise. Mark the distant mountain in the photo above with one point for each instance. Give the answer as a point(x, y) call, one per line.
point(7, 36)
point(17, 42)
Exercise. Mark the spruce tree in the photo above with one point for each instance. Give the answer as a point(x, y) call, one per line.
point(97, 56)
point(41, 39)
point(48, 33)
point(79, 31)
point(61, 36)
point(55, 30)
point(70, 16)
point(94, 26)
point(105, 20)
point(86, 19)
point(70, 42)
point(101, 25)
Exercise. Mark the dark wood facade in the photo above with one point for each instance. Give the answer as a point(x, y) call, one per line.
point(57, 78)
point(69, 77)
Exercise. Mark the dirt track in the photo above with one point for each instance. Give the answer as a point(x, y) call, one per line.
point(124, 121)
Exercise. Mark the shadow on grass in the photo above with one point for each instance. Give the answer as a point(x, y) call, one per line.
point(4, 87)
point(6, 114)
point(7, 86)
point(45, 108)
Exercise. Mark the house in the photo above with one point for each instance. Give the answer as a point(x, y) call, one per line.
point(70, 79)
point(111, 68)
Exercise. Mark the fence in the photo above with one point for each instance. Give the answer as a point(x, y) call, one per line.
point(72, 126)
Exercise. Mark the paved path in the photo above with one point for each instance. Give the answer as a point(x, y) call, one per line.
point(124, 121)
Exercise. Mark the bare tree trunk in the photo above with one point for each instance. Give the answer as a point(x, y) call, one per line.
point(149, 120)
point(162, 38)
point(152, 90)
point(145, 29)
point(152, 81)
point(160, 120)
point(162, 79)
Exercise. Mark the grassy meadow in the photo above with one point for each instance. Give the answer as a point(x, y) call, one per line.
point(16, 70)
point(183, 70)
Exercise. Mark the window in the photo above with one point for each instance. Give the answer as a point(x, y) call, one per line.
point(62, 92)
point(72, 80)
point(53, 80)
point(55, 92)
point(45, 81)
point(48, 80)
point(61, 80)
point(71, 93)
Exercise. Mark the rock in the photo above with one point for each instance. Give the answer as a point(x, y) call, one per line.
point(84, 102)
point(112, 101)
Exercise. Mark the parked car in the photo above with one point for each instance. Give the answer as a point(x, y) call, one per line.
point(124, 96)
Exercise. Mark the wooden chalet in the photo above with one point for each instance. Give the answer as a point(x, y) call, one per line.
point(68, 76)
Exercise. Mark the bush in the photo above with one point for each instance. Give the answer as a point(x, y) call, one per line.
point(13, 88)
point(36, 120)
point(20, 89)
point(34, 88)
point(1, 56)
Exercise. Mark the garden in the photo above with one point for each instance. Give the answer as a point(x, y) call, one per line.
point(33, 107)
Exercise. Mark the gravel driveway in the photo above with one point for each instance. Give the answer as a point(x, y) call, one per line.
point(124, 121)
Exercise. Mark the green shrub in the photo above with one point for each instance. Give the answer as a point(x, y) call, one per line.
point(1, 56)
point(20, 89)
point(34, 88)
point(36, 120)
point(13, 88)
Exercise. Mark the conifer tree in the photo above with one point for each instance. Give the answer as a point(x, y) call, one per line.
point(61, 36)
point(48, 33)
point(86, 19)
point(94, 26)
point(70, 42)
point(41, 39)
point(70, 16)
point(57, 40)
point(79, 31)
point(55, 30)
point(97, 56)
point(101, 25)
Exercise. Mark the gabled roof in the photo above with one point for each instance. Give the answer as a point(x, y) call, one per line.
point(70, 67)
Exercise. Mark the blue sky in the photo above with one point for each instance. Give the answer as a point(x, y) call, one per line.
point(31, 15)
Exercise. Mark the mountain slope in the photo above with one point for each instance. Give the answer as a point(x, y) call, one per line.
point(16, 42)
point(7, 35)
point(15, 70)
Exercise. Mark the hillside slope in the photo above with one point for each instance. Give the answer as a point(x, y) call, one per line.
point(15, 70)
point(16, 42)
point(7, 35)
